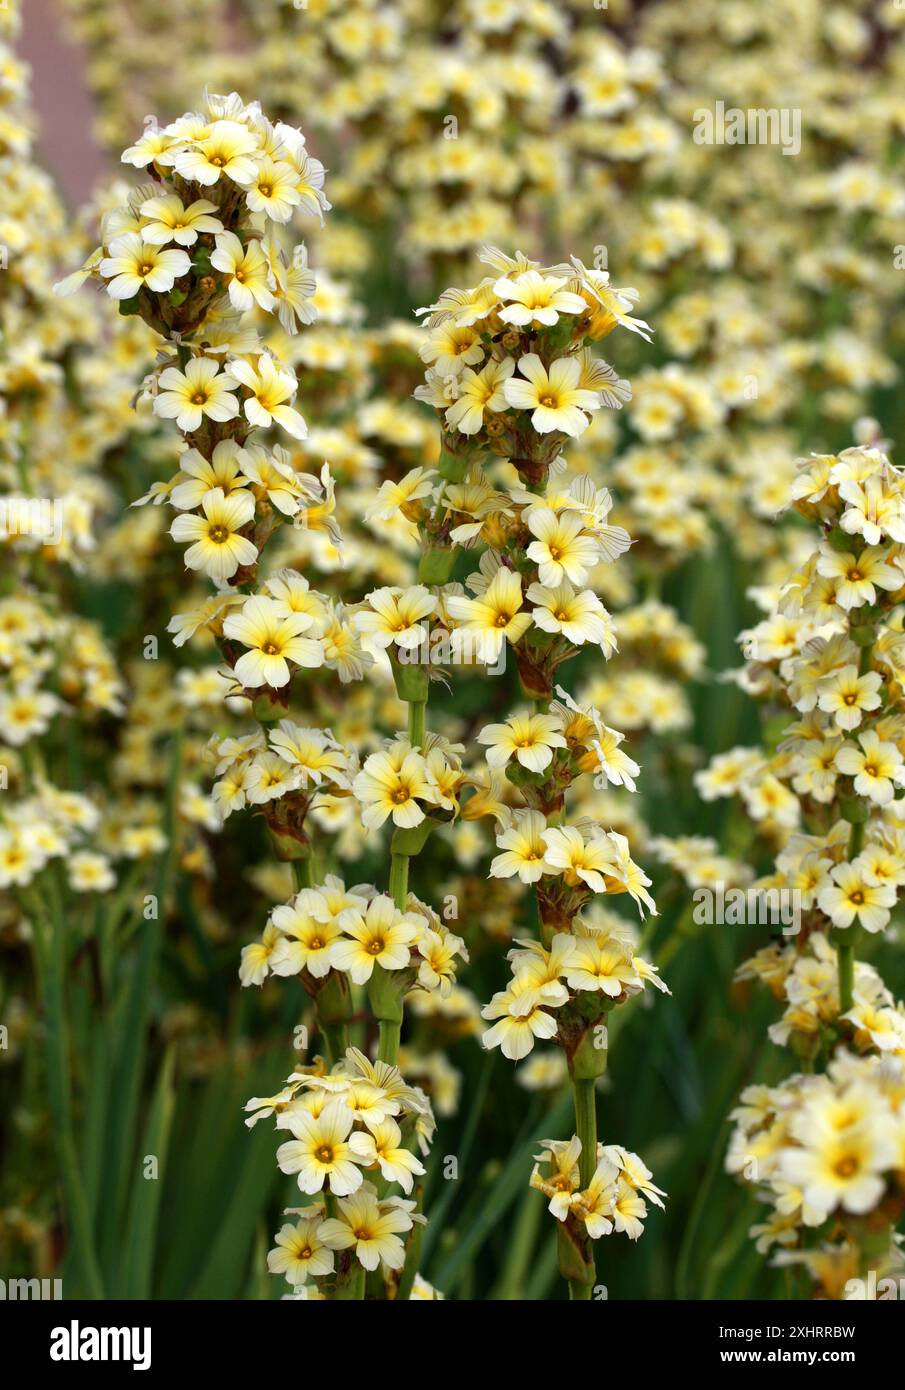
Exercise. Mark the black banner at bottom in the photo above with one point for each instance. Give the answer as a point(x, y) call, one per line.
point(70, 1338)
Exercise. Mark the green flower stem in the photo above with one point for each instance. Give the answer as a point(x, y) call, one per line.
point(388, 1044)
point(845, 953)
point(333, 1009)
point(412, 1252)
point(303, 873)
point(354, 1286)
point(417, 722)
point(390, 1028)
point(336, 1040)
point(585, 1100)
point(399, 879)
point(846, 961)
point(335, 1034)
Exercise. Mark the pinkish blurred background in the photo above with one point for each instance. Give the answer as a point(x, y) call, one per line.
point(60, 97)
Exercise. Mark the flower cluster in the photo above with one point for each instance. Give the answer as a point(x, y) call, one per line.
point(513, 377)
point(510, 369)
point(831, 652)
point(829, 797)
point(328, 928)
point(614, 1198)
point(806, 981)
point(564, 993)
point(825, 1152)
point(227, 173)
point(356, 1120)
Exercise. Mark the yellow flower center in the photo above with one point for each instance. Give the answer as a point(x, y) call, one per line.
point(502, 620)
point(856, 897)
point(375, 947)
point(549, 402)
point(846, 1167)
point(270, 648)
point(145, 268)
point(325, 1153)
point(218, 534)
point(199, 398)
point(400, 795)
point(306, 1253)
point(265, 189)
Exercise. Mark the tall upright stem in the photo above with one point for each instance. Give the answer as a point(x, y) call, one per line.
point(845, 953)
point(390, 1028)
point(584, 1097)
point(399, 879)
point(303, 873)
point(417, 722)
point(388, 1041)
point(846, 957)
